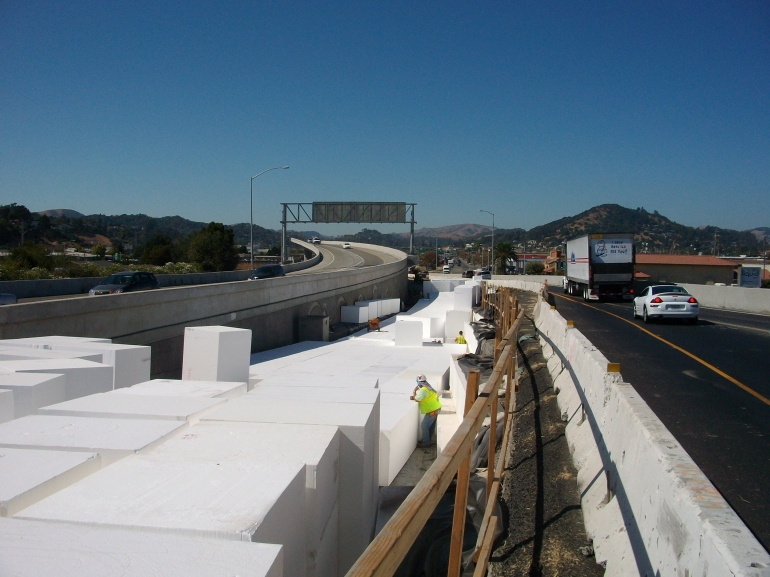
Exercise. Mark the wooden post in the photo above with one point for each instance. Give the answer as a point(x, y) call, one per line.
point(492, 442)
point(461, 490)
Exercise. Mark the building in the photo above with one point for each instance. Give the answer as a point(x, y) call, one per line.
point(682, 268)
point(554, 263)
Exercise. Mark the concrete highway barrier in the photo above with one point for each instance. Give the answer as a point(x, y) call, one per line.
point(731, 298)
point(648, 507)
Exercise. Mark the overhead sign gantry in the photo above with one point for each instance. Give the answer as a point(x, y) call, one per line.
point(346, 212)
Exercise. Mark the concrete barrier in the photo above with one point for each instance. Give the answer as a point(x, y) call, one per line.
point(648, 507)
point(269, 307)
point(731, 298)
point(305, 263)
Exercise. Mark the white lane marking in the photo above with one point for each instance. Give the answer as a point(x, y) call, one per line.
point(739, 327)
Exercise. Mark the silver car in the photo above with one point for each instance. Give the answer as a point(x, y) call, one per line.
point(665, 301)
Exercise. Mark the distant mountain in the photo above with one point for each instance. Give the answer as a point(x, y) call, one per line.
point(652, 231)
point(454, 231)
point(761, 232)
point(59, 212)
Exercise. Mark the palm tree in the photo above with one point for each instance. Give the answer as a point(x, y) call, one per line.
point(504, 252)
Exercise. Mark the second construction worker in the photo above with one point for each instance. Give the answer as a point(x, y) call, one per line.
point(460, 340)
point(427, 398)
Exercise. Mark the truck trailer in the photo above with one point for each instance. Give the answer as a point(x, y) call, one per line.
point(600, 266)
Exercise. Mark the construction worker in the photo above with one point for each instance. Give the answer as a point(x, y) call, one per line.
point(460, 340)
point(427, 398)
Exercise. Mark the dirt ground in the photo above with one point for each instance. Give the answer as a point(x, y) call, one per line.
point(539, 493)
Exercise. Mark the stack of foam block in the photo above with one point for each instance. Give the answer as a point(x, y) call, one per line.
point(135, 457)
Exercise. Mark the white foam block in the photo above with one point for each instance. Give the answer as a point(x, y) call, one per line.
point(399, 425)
point(176, 388)
point(285, 380)
point(317, 394)
point(315, 445)
point(391, 306)
point(463, 298)
point(7, 409)
point(37, 341)
point(115, 405)
point(34, 548)
point(32, 391)
point(232, 499)
point(326, 557)
point(131, 362)
point(359, 457)
point(216, 354)
point(28, 475)
point(455, 322)
point(113, 439)
point(30, 353)
point(82, 377)
point(409, 334)
point(354, 314)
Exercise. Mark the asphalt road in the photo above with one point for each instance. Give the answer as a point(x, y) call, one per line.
point(334, 257)
point(720, 414)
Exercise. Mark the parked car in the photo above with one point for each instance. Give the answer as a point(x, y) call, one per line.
point(267, 271)
point(7, 299)
point(665, 301)
point(345, 245)
point(125, 282)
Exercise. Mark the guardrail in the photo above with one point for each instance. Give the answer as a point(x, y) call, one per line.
point(388, 549)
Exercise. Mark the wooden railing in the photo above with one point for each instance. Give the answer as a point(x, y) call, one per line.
point(390, 546)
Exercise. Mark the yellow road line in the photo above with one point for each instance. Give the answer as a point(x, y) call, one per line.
point(722, 374)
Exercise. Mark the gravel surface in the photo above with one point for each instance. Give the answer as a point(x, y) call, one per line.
point(546, 535)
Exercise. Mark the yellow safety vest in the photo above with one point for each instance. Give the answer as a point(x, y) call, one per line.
point(429, 403)
point(461, 340)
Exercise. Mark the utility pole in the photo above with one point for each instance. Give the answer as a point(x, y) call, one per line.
point(436, 254)
point(716, 237)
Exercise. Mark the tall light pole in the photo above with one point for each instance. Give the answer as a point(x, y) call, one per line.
point(493, 238)
point(251, 211)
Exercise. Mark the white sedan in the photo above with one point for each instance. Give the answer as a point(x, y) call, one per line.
point(345, 245)
point(665, 301)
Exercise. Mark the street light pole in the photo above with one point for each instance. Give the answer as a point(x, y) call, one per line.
point(493, 239)
point(251, 211)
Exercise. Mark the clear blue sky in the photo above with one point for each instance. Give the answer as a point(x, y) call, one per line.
point(534, 110)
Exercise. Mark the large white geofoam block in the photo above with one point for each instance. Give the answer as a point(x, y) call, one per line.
point(131, 362)
point(317, 394)
point(315, 445)
point(29, 475)
point(399, 425)
point(113, 439)
point(176, 388)
point(463, 298)
point(408, 334)
point(7, 409)
point(32, 391)
point(359, 457)
point(455, 322)
point(216, 354)
point(232, 499)
point(354, 314)
point(82, 377)
point(115, 405)
point(34, 548)
point(30, 353)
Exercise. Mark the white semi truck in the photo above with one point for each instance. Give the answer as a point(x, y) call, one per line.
point(600, 266)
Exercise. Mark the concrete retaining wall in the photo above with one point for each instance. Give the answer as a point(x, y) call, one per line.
point(305, 263)
point(269, 307)
point(648, 507)
point(732, 298)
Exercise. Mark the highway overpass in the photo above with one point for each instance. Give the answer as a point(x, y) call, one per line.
point(269, 307)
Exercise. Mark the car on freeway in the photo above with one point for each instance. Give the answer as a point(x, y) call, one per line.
point(345, 245)
point(483, 274)
point(267, 271)
point(665, 301)
point(468, 274)
point(8, 299)
point(447, 269)
point(315, 240)
point(125, 282)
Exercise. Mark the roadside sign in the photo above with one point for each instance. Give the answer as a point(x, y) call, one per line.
point(750, 277)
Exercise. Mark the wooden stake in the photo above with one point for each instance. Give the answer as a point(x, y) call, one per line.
point(461, 490)
point(492, 442)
